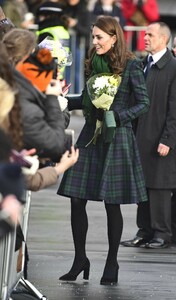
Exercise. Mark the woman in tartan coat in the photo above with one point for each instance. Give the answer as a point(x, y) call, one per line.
point(109, 172)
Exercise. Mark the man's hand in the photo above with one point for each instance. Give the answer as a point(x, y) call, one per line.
point(163, 150)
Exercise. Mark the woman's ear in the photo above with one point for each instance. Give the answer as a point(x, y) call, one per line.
point(114, 38)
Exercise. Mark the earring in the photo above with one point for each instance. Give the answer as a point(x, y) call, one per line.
point(112, 45)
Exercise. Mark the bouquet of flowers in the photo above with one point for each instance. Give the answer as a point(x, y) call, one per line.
point(64, 58)
point(101, 89)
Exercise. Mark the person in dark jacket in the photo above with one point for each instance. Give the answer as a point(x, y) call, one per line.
point(11, 188)
point(156, 137)
point(173, 200)
point(43, 127)
point(109, 167)
point(108, 8)
point(52, 21)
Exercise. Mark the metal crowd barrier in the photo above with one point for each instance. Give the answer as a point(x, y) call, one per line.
point(7, 259)
point(73, 68)
point(10, 277)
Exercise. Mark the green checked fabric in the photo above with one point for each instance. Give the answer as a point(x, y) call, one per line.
point(112, 172)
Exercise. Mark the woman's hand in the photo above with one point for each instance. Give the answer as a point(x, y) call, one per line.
point(99, 114)
point(68, 159)
point(12, 208)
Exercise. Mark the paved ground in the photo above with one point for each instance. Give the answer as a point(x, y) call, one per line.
point(144, 273)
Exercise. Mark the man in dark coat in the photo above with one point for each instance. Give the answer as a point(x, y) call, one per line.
point(156, 136)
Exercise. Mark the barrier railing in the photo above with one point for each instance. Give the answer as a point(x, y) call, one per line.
point(10, 276)
point(75, 72)
point(130, 30)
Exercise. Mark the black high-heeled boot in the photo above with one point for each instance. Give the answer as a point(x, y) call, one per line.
point(115, 225)
point(72, 275)
point(79, 225)
point(110, 278)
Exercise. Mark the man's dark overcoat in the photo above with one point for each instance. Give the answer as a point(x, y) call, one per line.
point(158, 125)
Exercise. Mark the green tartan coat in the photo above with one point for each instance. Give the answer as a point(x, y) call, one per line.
point(112, 172)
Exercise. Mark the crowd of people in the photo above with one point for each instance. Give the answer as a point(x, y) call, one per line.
point(70, 22)
point(131, 162)
point(31, 117)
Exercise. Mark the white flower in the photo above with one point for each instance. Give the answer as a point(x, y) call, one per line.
point(100, 82)
point(103, 86)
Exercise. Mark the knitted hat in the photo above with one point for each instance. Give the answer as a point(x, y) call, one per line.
point(38, 68)
point(5, 23)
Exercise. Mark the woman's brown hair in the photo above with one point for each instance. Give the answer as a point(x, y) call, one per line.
point(118, 55)
point(5, 67)
point(19, 43)
point(13, 123)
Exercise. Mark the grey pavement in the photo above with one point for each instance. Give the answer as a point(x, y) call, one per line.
point(143, 274)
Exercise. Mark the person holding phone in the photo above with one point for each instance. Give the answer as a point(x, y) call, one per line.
point(44, 127)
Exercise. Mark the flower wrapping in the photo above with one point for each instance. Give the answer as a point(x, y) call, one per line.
point(102, 89)
point(64, 58)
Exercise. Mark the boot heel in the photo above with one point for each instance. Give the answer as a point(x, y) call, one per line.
point(71, 276)
point(86, 273)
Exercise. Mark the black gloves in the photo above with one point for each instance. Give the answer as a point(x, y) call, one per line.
point(99, 114)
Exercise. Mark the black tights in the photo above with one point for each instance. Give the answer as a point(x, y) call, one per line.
point(79, 223)
point(115, 226)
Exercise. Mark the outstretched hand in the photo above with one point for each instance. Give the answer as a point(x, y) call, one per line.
point(54, 88)
point(68, 159)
